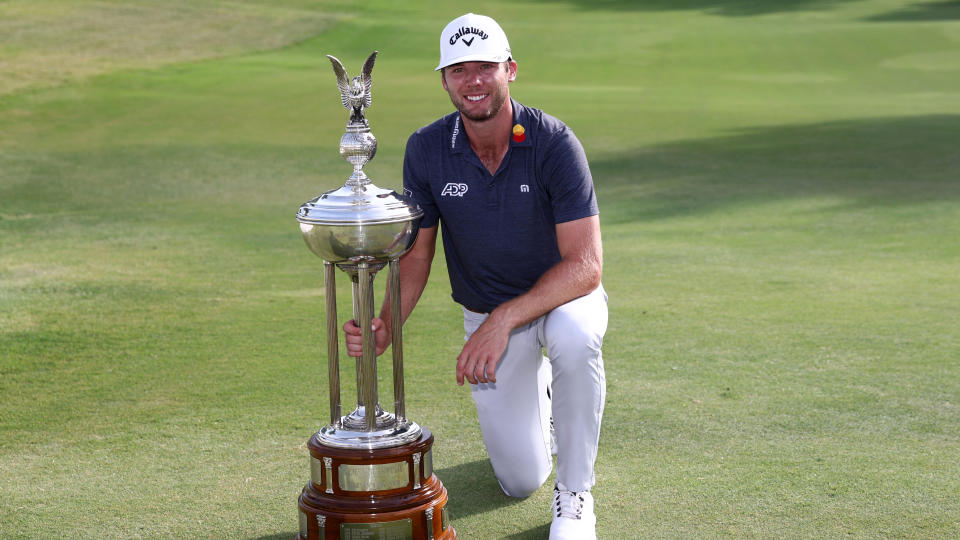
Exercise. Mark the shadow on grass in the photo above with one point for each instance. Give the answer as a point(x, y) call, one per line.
point(926, 11)
point(537, 533)
point(478, 487)
point(731, 8)
point(868, 162)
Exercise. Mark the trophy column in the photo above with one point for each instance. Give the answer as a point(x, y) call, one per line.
point(371, 471)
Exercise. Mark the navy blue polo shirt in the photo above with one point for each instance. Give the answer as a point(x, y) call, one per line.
point(499, 231)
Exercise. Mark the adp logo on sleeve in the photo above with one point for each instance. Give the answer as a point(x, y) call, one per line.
point(454, 189)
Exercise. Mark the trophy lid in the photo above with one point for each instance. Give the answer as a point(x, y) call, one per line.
point(358, 205)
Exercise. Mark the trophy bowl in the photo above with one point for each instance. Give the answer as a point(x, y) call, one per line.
point(359, 223)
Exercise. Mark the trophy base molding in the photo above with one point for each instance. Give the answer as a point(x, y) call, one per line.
point(374, 494)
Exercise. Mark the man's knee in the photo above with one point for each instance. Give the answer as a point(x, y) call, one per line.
point(521, 471)
point(572, 343)
point(521, 483)
point(573, 327)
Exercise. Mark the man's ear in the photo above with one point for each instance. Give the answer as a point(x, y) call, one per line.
point(511, 71)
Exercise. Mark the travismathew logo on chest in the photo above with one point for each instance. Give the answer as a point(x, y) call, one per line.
point(454, 189)
point(463, 31)
point(456, 131)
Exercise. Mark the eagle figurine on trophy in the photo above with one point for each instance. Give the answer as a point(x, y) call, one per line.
point(355, 93)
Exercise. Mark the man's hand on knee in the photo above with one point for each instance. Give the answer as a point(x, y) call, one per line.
point(477, 362)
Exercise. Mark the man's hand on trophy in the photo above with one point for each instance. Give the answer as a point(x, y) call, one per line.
point(354, 337)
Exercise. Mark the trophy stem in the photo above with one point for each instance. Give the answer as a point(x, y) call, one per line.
point(358, 146)
point(397, 345)
point(368, 367)
point(358, 178)
point(333, 353)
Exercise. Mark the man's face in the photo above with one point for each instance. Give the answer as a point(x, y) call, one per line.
point(479, 89)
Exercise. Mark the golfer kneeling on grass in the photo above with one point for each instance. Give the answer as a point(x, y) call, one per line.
point(512, 189)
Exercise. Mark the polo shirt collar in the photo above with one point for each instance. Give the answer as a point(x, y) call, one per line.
point(458, 136)
point(521, 118)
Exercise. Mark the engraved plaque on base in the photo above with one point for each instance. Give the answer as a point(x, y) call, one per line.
point(374, 477)
point(390, 530)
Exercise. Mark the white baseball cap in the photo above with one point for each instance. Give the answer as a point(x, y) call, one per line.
point(473, 38)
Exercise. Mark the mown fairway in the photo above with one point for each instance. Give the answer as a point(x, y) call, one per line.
point(780, 203)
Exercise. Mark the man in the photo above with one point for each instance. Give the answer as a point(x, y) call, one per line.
point(513, 190)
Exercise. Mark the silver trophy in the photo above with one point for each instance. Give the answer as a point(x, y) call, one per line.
point(361, 228)
point(380, 458)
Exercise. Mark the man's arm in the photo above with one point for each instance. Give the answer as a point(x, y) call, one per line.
point(414, 271)
point(577, 274)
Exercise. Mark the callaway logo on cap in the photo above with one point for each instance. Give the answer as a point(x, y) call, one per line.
point(473, 38)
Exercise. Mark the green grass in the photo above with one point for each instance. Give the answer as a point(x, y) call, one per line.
point(779, 197)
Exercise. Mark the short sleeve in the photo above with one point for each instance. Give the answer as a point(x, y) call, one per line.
point(416, 183)
point(567, 177)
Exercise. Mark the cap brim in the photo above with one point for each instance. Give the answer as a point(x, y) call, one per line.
point(474, 58)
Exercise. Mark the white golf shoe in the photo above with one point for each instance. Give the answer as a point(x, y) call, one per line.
point(573, 516)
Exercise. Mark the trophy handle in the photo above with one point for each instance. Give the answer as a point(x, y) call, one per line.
point(397, 345)
point(333, 352)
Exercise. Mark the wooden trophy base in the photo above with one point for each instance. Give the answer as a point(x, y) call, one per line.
point(374, 494)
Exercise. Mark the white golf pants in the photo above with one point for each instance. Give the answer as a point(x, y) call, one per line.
point(514, 412)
